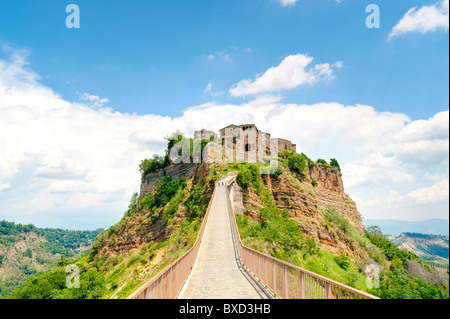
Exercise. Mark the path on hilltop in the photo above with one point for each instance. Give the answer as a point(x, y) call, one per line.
point(216, 274)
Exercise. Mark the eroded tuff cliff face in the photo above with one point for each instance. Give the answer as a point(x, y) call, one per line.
point(305, 203)
point(179, 171)
point(146, 225)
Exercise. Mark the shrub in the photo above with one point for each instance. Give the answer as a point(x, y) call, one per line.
point(343, 261)
point(323, 162)
point(298, 164)
point(310, 162)
point(153, 164)
point(310, 247)
point(248, 174)
point(165, 189)
point(352, 277)
point(334, 163)
point(195, 200)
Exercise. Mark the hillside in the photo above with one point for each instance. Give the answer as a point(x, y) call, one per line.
point(299, 213)
point(302, 215)
point(156, 229)
point(26, 250)
point(430, 248)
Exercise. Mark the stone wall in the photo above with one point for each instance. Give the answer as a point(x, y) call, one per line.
point(284, 144)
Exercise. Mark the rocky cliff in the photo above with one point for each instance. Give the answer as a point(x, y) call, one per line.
point(147, 225)
point(179, 171)
point(310, 204)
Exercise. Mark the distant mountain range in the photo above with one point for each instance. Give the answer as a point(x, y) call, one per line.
point(430, 248)
point(396, 227)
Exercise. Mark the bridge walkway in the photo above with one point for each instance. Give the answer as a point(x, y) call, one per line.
point(216, 273)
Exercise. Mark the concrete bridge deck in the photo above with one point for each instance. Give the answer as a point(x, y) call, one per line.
point(216, 274)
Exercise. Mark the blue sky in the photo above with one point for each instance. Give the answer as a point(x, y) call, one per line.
point(151, 56)
point(158, 58)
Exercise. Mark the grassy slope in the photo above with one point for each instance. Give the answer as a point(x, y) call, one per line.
point(274, 232)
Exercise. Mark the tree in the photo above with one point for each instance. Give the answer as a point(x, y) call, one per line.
point(152, 165)
point(334, 163)
point(374, 230)
point(173, 139)
point(62, 261)
point(298, 163)
point(28, 253)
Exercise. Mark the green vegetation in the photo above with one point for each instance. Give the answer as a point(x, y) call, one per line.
point(157, 162)
point(430, 248)
point(323, 162)
point(28, 250)
point(274, 232)
point(297, 163)
point(175, 208)
point(163, 225)
point(273, 226)
point(407, 277)
point(52, 285)
point(334, 163)
point(343, 261)
point(153, 165)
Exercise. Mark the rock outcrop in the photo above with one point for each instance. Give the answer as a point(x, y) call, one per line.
point(147, 226)
point(179, 171)
point(305, 204)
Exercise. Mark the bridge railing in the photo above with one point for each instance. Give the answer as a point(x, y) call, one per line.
point(288, 281)
point(168, 282)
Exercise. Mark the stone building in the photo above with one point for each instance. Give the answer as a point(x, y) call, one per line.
point(285, 144)
point(248, 140)
point(205, 135)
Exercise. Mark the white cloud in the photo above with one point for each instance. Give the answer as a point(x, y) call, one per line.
point(423, 20)
point(290, 73)
point(4, 186)
point(94, 99)
point(374, 169)
point(221, 55)
point(70, 165)
point(209, 90)
point(424, 142)
point(339, 65)
point(287, 3)
point(434, 177)
point(291, 3)
point(438, 192)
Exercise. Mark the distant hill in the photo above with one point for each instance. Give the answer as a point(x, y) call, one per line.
point(430, 248)
point(396, 227)
point(26, 250)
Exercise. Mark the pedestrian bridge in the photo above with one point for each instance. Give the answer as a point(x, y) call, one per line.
point(219, 266)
